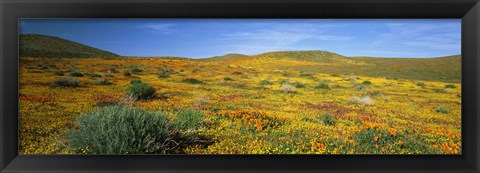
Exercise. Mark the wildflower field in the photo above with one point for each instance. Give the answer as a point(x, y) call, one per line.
point(269, 104)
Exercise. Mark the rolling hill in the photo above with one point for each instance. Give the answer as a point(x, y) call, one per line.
point(34, 45)
point(229, 56)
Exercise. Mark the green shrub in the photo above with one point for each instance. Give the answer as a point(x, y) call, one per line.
point(58, 73)
point(366, 82)
point(328, 119)
point(442, 110)
point(163, 75)
point(113, 70)
point(135, 69)
point(192, 81)
point(122, 130)
point(420, 84)
point(450, 86)
point(75, 74)
point(103, 81)
point(360, 86)
point(127, 73)
point(188, 119)
point(93, 74)
point(265, 82)
point(307, 75)
point(134, 81)
point(141, 91)
point(65, 82)
point(227, 79)
point(299, 85)
point(287, 88)
point(322, 86)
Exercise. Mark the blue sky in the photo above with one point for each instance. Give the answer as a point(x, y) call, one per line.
point(199, 38)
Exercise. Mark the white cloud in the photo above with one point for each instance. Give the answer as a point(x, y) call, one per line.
point(157, 28)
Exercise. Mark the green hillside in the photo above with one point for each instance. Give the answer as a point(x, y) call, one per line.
point(230, 56)
point(310, 56)
point(33, 45)
point(446, 69)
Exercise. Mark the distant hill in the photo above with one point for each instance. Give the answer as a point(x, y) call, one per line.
point(310, 56)
point(230, 56)
point(34, 45)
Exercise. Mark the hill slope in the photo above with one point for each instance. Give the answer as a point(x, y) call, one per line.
point(34, 45)
point(229, 56)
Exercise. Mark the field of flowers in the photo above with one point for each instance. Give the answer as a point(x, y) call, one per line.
point(249, 107)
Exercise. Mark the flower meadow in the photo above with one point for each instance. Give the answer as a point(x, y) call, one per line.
point(131, 105)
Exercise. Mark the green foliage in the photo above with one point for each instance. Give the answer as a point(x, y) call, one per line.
point(265, 82)
point(366, 82)
point(360, 86)
point(450, 86)
point(136, 69)
point(75, 74)
point(93, 74)
point(163, 75)
point(192, 81)
point(141, 91)
point(306, 75)
point(135, 81)
point(300, 85)
point(58, 73)
point(328, 119)
point(103, 81)
point(33, 45)
point(420, 84)
point(322, 85)
point(127, 73)
point(188, 119)
point(227, 79)
point(65, 82)
point(122, 130)
point(442, 110)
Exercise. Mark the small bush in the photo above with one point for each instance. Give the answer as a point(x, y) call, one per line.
point(113, 70)
point(299, 85)
point(328, 119)
point(75, 74)
point(188, 119)
point(135, 69)
point(93, 74)
point(363, 100)
point(103, 81)
point(360, 86)
point(123, 130)
point(65, 82)
point(450, 86)
point(307, 75)
point(442, 110)
point(420, 84)
point(265, 82)
point(322, 86)
point(366, 82)
point(127, 73)
point(163, 75)
point(227, 79)
point(58, 73)
point(135, 81)
point(237, 73)
point(287, 88)
point(192, 81)
point(141, 91)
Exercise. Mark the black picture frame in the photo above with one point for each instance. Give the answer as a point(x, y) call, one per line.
point(13, 10)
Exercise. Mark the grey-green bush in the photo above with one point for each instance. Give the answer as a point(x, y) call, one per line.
point(122, 130)
point(188, 119)
point(65, 82)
